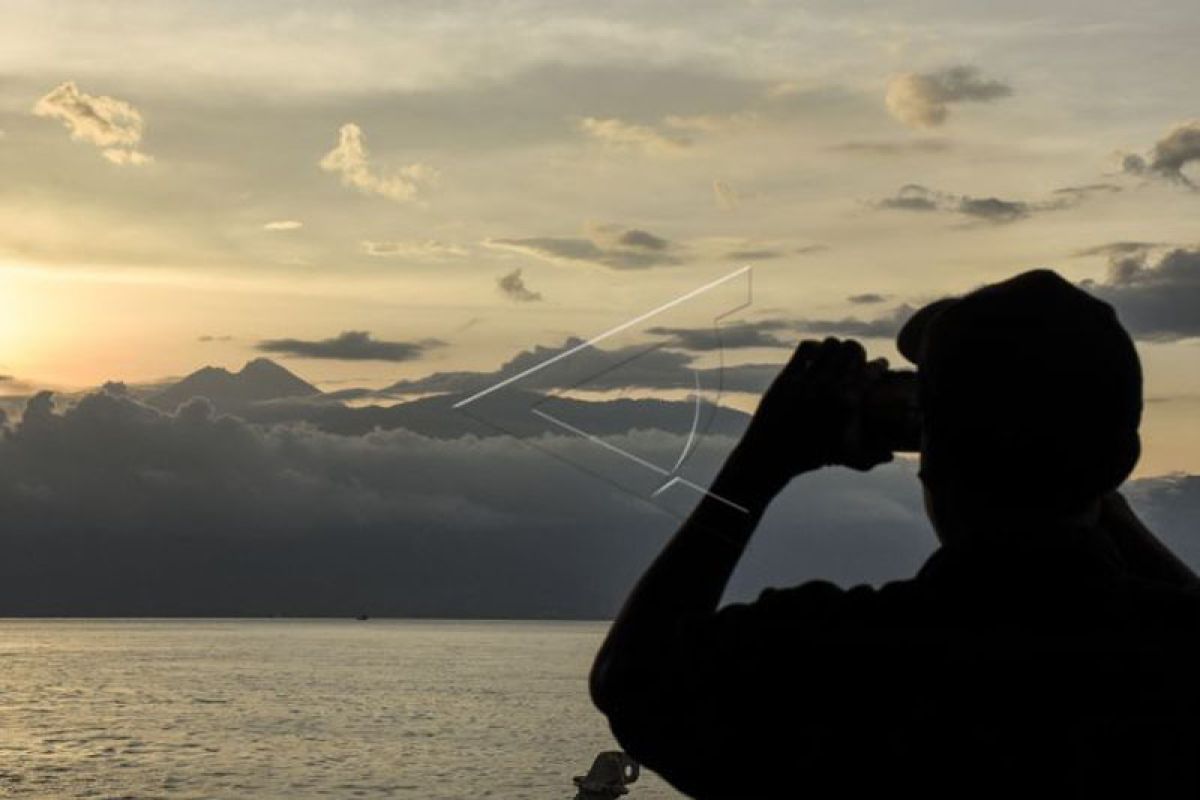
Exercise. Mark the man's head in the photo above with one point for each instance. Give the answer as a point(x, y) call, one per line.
point(1031, 396)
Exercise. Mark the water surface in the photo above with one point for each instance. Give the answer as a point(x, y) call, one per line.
point(298, 709)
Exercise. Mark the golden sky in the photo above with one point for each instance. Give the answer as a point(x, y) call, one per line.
point(185, 181)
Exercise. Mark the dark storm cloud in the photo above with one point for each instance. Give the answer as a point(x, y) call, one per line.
point(350, 346)
point(512, 285)
point(606, 245)
point(1178, 149)
point(760, 333)
point(114, 508)
point(1158, 301)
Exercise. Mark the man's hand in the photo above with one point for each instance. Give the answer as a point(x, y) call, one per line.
point(811, 416)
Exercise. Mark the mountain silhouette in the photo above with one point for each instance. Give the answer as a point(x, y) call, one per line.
point(509, 413)
point(259, 380)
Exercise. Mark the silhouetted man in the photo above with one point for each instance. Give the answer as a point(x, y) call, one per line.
point(1046, 649)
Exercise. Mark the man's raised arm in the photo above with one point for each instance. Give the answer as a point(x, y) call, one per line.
point(807, 419)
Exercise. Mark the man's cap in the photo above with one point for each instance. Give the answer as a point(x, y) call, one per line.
point(1030, 388)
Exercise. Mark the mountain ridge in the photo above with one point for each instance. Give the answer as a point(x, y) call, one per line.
point(259, 379)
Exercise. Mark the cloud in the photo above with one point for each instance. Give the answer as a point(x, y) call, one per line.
point(350, 160)
point(1158, 301)
point(636, 238)
point(882, 327)
point(912, 197)
point(866, 298)
point(283, 225)
point(512, 285)
point(635, 366)
point(1087, 190)
point(923, 100)
point(759, 254)
point(996, 210)
point(113, 125)
point(731, 336)
point(1169, 505)
point(725, 196)
point(350, 346)
point(211, 338)
point(993, 209)
point(1117, 249)
point(1178, 149)
point(885, 147)
point(415, 249)
point(761, 333)
point(122, 157)
point(607, 245)
point(711, 123)
point(621, 135)
point(125, 510)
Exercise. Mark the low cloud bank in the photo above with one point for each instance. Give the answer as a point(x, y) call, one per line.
point(112, 507)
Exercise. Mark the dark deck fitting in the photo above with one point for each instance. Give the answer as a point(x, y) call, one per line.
point(611, 772)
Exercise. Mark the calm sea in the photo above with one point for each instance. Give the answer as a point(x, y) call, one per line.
point(297, 709)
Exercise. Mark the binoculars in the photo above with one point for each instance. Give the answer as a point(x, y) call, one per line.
point(891, 413)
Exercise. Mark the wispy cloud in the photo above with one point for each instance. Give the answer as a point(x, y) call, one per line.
point(725, 196)
point(621, 135)
point(610, 246)
point(350, 160)
point(283, 225)
point(764, 332)
point(736, 335)
point(413, 248)
point(113, 125)
point(888, 147)
point(1087, 190)
point(1117, 249)
point(867, 298)
point(924, 100)
point(996, 210)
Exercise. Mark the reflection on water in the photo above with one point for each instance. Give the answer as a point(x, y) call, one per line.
point(297, 709)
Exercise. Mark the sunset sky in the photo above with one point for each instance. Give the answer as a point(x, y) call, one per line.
point(205, 183)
